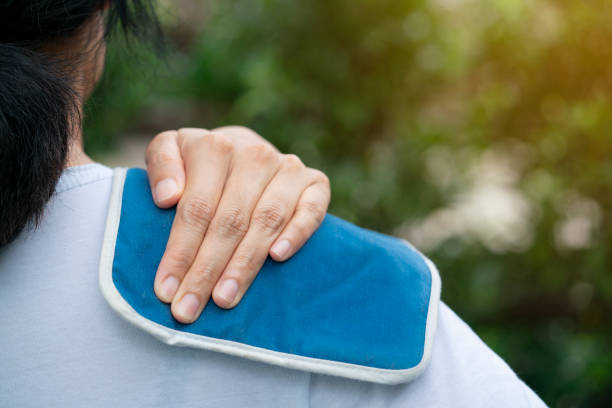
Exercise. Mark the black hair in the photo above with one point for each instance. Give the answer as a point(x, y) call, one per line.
point(38, 103)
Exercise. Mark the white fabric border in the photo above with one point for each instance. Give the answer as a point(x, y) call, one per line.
point(178, 338)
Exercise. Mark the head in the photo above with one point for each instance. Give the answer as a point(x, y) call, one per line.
point(51, 57)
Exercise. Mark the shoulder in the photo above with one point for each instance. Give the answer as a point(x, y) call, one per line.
point(467, 373)
point(351, 302)
point(463, 373)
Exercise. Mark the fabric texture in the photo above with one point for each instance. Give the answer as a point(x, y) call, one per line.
point(298, 307)
point(61, 345)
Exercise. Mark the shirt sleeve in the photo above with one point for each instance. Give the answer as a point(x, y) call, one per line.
point(463, 372)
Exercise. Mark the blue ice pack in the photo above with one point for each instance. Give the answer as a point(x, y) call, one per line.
point(351, 303)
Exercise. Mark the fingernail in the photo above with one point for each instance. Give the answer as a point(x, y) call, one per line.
point(168, 288)
point(188, 307)
point(228, 290)
point(165, 189)
point(281, 248)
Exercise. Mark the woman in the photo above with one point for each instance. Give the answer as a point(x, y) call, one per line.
point(61, 345)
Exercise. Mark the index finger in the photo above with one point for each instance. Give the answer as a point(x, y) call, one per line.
point(206, 155)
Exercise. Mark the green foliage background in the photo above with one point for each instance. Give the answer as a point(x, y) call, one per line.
point(478, 129)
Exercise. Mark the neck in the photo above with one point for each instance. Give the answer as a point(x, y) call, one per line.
point(76, 153)
point(84, 86)
point(85, 79)
point(77, 156)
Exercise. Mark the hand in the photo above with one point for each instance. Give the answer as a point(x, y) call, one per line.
point(239, 200)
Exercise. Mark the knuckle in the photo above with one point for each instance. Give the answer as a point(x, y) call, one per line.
point(270, 217)
point(193, 138)
point(161, 138)
point(242, 260)
point(177, 259)
point(195, 211)
point(291, 161)
point(320, 177)
point(160, 158)
point(166, 136)
point(201, 279)
point(232, 223)
point(191, 131)
point(190, 135)
point(237, 128)
point(221, 142)
point(315, 209)
point(245, 266)
point(301, 228)
point(261, 153)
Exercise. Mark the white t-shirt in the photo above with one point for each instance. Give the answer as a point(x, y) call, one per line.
point(62, 345)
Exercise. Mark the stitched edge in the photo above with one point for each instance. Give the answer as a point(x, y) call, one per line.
point(292, 361)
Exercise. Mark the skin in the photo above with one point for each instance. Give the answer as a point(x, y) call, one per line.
point(238, 199)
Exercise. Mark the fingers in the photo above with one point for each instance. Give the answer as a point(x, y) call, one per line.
point(208, 160)
point(270, 217)
point(309, 215)
point(243, 136)
point(239, 196)
point(165, 169)
point(252, 169)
